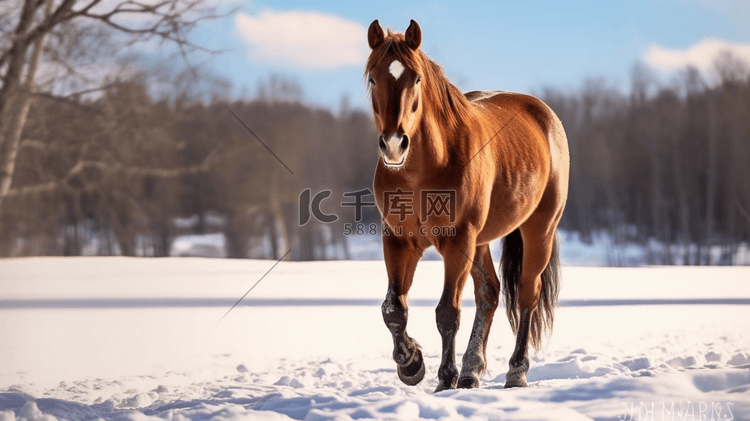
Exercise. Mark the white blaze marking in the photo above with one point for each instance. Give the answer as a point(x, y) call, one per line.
point(396, 69)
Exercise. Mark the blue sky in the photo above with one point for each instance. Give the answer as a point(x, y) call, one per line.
point(519, 46)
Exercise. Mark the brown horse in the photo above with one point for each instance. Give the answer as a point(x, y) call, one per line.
point(500, 162)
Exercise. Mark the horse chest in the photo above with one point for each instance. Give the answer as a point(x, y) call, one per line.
point(423, 214)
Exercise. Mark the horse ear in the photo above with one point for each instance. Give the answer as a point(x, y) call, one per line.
point(413, 35)
point(375, 34)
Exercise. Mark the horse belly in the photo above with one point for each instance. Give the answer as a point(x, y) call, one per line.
point(511, 206)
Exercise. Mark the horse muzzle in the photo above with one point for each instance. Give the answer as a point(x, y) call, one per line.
point(393, 149)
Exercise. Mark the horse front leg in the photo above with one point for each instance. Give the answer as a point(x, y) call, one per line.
point(401, 258)
point(486, 295)
point(458, 255)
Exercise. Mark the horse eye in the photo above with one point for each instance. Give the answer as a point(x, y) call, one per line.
point(419, 79)
point(372, 82)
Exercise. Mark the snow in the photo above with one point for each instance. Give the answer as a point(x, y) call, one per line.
point(209, 245)
point(140, 339)
point(603, 250)
point(600, 250)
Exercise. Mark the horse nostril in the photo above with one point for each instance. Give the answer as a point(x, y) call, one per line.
point(404, 143)
point(381, 144)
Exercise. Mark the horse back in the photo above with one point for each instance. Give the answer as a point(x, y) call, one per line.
point(542, 127)
point(529, 105)
point(534, 109)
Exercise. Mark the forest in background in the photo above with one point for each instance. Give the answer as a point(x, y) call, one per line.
point(132, 172)
point(665, 163)
point(139, 160)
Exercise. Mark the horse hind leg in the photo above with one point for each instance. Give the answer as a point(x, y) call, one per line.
point(531, 294)
point(486, 295)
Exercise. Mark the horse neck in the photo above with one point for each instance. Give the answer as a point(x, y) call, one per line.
point(440, 143)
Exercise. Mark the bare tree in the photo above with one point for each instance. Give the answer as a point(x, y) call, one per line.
point(667, 163)
point(24, 26)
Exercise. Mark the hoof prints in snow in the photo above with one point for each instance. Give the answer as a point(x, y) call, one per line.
point(121, 339)
point(567, 386)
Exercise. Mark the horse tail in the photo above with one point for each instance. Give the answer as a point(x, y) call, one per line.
point(510, 265)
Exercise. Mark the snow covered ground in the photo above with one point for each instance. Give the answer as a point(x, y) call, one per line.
point(144, 339)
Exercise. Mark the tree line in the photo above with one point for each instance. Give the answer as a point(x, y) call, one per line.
point(127, 174)
point(664, 162)
point(129, 160)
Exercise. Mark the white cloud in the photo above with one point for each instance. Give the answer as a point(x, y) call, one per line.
point(303, 39)
point(701, 55)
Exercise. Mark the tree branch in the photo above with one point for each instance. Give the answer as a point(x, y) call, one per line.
point(34, 144)
point(211, 159)
point(168, 26)
point(742, 210)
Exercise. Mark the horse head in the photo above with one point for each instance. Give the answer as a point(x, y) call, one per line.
point(395, 77)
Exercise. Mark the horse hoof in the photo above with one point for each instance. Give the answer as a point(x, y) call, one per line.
point(517, 382)
point(468, 383)
point(443, 385)
point(413, 373)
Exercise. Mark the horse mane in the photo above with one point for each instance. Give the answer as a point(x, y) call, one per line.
point(442, 99)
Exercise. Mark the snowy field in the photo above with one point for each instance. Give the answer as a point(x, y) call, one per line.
point(144, 339)
point(600, 250)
